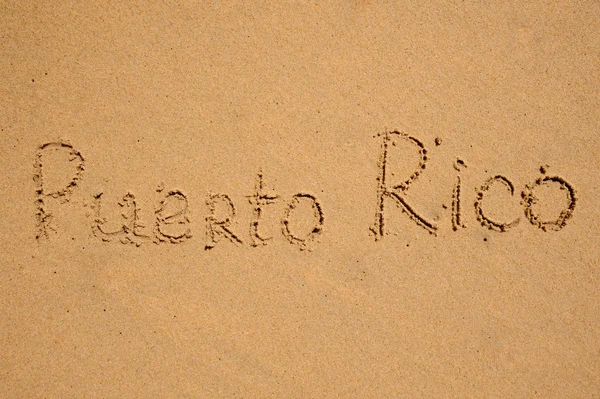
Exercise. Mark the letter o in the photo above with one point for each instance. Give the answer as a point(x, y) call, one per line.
point(316, 229)
point(530, 199)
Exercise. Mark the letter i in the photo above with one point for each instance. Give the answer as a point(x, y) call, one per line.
point(457, 221)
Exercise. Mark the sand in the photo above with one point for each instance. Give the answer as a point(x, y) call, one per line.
point(342, 199)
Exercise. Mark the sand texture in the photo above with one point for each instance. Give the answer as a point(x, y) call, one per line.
point(271, 199)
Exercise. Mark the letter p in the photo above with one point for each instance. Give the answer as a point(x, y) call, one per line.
point(58, 170)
